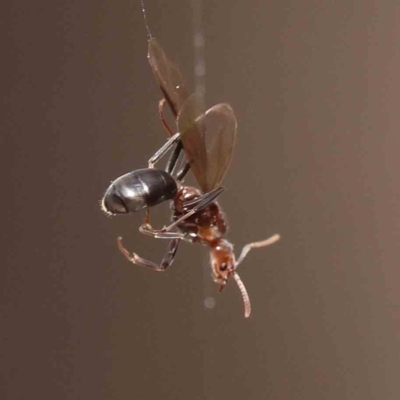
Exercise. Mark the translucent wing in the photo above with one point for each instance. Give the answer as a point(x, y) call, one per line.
point(191, 126)
point(220, 134)
point(208, 139)
point(168, 76)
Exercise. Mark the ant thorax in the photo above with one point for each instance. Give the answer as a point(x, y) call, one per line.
point(206, 226)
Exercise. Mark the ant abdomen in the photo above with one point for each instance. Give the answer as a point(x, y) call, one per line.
point(138, 190)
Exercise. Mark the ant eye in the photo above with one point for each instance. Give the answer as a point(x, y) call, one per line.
point(223, 266)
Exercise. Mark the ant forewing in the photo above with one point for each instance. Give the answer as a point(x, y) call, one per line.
point(167, 76)
point(208, 139)
point(210, 162)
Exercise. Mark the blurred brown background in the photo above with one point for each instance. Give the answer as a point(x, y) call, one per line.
point(315, 86)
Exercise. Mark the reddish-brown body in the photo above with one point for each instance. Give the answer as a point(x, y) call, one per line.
point(206, 226)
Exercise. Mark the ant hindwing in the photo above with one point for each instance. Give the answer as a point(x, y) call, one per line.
point(207, 139)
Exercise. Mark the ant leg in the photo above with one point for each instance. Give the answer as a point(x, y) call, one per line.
point(182, 172)
point(255, 245)
point(171, 164)
point(165, 262)
point(147, 217)
point(148, 230)
point(197, 204)
point(161, 104)
point(174, 157)
point(161, 152)
point(174, 139)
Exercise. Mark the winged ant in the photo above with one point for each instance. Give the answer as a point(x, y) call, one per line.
point(207, 139)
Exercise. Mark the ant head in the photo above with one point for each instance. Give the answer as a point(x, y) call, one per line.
point(223, 265)
point(222, 262)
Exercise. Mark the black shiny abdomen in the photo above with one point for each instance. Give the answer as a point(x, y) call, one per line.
point(139, 189)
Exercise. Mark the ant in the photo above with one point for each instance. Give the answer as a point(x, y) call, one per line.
point(208, 139)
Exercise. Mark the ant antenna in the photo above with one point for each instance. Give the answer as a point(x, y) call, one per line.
point(145, 20)
point(242, 288)
point(245, 296)
point(256, 245)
